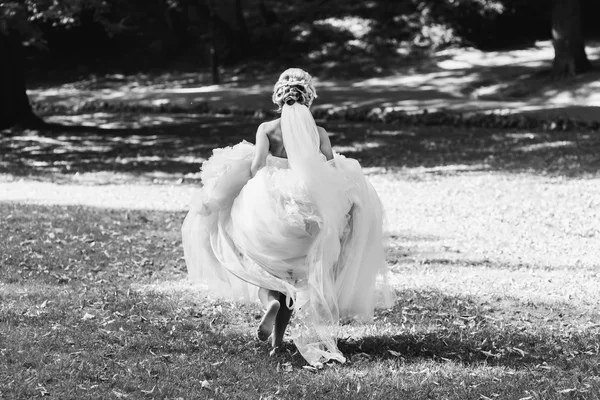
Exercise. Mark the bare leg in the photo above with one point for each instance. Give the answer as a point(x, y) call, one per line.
point(270, 299)
point(281, 321)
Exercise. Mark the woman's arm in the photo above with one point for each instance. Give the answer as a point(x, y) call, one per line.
point(261, 150)
point(325, 144)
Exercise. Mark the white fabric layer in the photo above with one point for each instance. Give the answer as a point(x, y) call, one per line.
point(306, 227)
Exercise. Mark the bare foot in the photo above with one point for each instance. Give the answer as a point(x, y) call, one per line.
point(265, 328)
point(274, 351)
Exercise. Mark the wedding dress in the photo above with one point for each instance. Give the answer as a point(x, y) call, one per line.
point(303, 226)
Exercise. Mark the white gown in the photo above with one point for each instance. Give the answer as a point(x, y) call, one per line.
point(303, 226)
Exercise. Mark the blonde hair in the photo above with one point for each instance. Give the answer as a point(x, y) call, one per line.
point(294, 84)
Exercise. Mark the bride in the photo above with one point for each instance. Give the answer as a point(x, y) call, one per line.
point(290, 222)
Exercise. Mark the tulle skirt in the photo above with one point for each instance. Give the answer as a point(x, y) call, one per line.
point(244, 233)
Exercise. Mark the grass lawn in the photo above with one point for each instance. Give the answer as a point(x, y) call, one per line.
point(493, 247)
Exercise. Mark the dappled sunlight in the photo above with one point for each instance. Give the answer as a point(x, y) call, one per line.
point(448, 169)
point(456, 79)
point(187, 291)
point(187, 97)
point(108, 121)
point(543, 146)
point(357, 26)
point(539, 55)
point(108, 94)
point(432, 80)
point(495, 275)
point(142, 147)
point(175, 146)
point(183, 288)
point(557, 287)
point(471, 204)
point(107, 194)
point(358, 147)
point(519, 135)
point(483, 221)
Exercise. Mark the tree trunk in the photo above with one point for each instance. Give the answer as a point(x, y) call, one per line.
point(214, 62)
point(567, 38)
point(14, 103)
point(243, 32)
point(268, 15)
point(214, 50)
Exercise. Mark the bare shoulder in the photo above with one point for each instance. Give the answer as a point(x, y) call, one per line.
point(271, 129)
point(269, 126)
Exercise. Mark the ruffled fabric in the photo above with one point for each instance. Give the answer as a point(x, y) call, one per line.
point(323, 250)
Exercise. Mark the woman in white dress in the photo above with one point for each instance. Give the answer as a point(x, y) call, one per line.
point(293, 224)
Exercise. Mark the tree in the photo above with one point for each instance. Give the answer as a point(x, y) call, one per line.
point(214, 46)
point(567, 38)
point(18, 27)
point(14, 103)
point(244, 33)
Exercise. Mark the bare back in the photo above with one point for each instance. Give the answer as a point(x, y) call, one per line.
point(273, 132)
point(276, 147)
point(269, 140)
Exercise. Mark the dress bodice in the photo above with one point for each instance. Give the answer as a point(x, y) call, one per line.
point(280, 162)
point(277, 162)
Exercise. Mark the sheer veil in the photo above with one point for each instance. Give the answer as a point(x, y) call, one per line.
point(347, 270)
point(318, 309)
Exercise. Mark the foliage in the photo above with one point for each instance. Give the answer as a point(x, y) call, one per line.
point(25, 18)
point(340, 38)
point(329, 31)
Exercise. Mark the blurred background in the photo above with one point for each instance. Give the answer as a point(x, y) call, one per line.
point(339, 38)
point(238, 41)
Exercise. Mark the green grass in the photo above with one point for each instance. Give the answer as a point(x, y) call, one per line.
point(493, 250)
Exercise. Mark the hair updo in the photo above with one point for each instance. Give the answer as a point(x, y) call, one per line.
point(294, 86)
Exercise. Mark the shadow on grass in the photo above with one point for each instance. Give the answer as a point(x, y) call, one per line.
point(175, 146)
point(467, 330)
point(447, 150)
point(527, 82)
point(135, 144)
point(81, 245)
point(63, 263)
point(430, 325)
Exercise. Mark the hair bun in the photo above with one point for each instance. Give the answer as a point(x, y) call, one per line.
point(295, 86)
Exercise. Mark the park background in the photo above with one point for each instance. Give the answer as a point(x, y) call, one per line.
point(476, 120)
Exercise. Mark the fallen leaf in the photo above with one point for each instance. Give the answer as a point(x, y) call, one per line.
point(521, 352)
point(43, 391)
point(88, 316)
point(119, 394)
point(149, 391)
point(567, 390)
point(395, 353)
point(205, 385)
point(490, 354)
